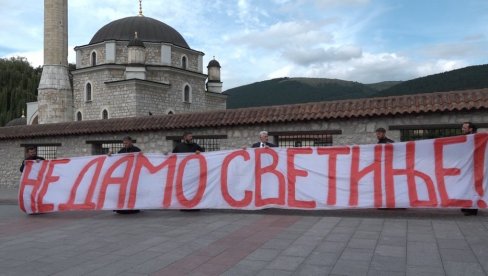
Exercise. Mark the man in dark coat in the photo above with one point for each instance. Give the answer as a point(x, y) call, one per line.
point(31, 155)
point(381, 135)
point(263, 141)
point(469, 128)
point(128, 148)
point(187, 145)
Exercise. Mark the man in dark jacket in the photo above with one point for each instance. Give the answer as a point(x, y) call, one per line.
point(469, 128)
point(31, 155)
point(128, 148)
point(187, 145)
point(263, 141)
point(381, 135)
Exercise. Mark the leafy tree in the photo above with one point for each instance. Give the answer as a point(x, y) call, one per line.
point(18, 85)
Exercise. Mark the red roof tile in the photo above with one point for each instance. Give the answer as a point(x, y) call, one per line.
point(369, 107)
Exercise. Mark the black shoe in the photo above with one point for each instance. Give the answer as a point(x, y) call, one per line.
point(470, 212)
point(125, 212)
point(190, 210)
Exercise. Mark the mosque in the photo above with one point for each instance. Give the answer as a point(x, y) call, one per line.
point(134, 66)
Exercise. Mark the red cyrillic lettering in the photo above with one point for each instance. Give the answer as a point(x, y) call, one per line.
point(142, 161)
point(293, 173)
point(50, 178)
point(35, 183)
point(357, 174)
point(121, 181)
point(332, 172)
point(223, 181)
point(411, 173)
point(480, 141)
point(202, 181)
point(259, 171)
point(442, 172)
point(88, 204)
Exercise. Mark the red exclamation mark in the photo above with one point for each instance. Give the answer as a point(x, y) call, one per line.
point(480, 141)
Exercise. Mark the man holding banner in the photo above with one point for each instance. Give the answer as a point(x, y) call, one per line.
point(128, 148)
point(469, 128)
point(187, 145)
point(263, 141)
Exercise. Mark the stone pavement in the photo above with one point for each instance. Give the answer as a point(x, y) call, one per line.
point(268, 242)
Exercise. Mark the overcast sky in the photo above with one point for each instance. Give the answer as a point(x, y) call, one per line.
point(358, 40)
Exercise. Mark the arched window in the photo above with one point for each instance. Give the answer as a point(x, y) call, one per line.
point(79, 117)
point(170, 112)
point(93, 58)
point(104, 114)
point(183, 62)
point(88, 92)
point(187, 94)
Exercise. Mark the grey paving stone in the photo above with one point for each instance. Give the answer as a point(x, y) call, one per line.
point(393, 241)
point(392, 251)
point(421, 237)
point(300, 250)
point(362, 243)
point(459, 268)
point(274, 272)
point(343, 267)
point(457, 255)
point(423, 254)
point(289, 263)
point(370, 235)
point(338, 237)
point(309, 239)
point(356, 254)
point(453, 244)
point(252, 264)
point(312, 270)
point(343, 230)
point(331, 246)
point(373, 272)
point(388, 263)
point(264, 254)
point(420, 229)
point(323, 258)
point(278, 243)
point(425, 271)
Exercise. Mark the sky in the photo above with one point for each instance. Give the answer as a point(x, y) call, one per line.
point(366, 41)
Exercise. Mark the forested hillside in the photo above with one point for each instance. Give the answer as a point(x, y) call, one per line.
point(471, 77)
point(18, 85)
point(295, 90)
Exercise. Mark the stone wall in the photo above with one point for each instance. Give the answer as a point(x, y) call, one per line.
point(354, 131)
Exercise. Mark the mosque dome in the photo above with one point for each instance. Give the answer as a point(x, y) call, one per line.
point(21, 121)
point(148, 30)
point(213, 63)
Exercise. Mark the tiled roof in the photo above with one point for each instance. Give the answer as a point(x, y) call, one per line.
point(369, 107)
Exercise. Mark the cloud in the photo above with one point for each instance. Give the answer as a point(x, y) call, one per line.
point(283, 34)
point(336, 3)
point(35, 58)
point(306, 56)
point(459, 49)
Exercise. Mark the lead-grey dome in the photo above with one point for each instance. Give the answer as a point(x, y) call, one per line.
point(22, 121)
point(148, 30)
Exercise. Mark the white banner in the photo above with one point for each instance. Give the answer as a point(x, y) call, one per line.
point(445, 172)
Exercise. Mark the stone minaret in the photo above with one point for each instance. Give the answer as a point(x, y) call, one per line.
point(55, 97)
point(214, 84)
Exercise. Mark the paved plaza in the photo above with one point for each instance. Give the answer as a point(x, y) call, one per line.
point(267, 242)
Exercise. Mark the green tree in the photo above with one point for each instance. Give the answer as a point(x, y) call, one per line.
point(18, 85)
